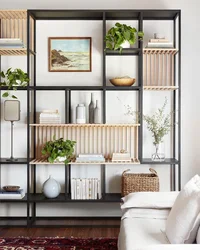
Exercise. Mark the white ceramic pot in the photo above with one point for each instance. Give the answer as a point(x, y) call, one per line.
point(125, 44)
point(80, 114)
point(60, 159)
point(51, 188)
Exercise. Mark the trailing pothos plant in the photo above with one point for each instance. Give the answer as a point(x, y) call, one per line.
point(121, 33)
point(59, 148)
point(13, 79)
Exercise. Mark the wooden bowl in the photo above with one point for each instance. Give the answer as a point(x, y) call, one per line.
point(122, 81)
point(11, 188)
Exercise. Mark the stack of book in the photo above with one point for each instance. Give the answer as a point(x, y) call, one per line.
point(121, 157)
point(159, 43)
point(90, 158)
point(85, 189)
point(11, 43)
point(50, 117)
point(5, 195)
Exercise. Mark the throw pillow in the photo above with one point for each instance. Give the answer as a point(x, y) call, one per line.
point(183, 221)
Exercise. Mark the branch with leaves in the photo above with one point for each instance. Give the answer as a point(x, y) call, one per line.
point(13, 79)
point(159, 124)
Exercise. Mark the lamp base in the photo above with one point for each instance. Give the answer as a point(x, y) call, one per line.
point(11, 159)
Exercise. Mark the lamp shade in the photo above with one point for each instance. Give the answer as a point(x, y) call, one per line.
point(12, 110)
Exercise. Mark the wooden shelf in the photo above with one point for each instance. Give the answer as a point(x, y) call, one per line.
point(43, 161)
point(15, 52)
point(170, 51)
point(85, 125)
point(160, 87)
point(13, 14)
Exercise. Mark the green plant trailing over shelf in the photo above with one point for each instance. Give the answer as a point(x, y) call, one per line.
point(59, 148)
point(13, 79)
point(159, 124)
point(121, 33)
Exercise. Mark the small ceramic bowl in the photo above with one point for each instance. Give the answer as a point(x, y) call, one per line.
point(11, 188)
point(122, 81)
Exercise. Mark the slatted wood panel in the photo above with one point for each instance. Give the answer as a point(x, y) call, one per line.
point(90, 138)
point(13, 14)
point(14, 25)
point(158, 69)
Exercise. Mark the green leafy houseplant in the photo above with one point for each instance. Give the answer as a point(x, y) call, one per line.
point(59, 148)
point(13, 79)
point(159, 124)
point(119, 34)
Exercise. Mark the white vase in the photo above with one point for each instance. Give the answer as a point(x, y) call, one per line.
point(80, 114)
point(60, 159)
point(51, 188)
point(125, 44)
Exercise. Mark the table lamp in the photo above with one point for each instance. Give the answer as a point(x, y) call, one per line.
point(12, 113)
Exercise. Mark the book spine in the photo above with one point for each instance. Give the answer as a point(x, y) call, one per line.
point(75, 189)
point(83, 189)
point(78, 189)
point(95, 188)
point(72, 189)
point(87, 188)
point(158, 41)
point(90, 189)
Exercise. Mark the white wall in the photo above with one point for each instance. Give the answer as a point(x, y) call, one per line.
point(190, 87)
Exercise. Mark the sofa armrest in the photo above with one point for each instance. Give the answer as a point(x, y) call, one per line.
point(149, 200)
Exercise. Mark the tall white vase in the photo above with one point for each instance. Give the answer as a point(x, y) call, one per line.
point(51, 188)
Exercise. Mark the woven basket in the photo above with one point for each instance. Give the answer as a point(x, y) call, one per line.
point(139, 182)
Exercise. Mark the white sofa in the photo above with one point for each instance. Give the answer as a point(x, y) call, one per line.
point(143, 222)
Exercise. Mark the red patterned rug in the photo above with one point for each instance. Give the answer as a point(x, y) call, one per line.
point(49, 243)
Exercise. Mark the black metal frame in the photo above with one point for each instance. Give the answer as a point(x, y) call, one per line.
point(31, 199)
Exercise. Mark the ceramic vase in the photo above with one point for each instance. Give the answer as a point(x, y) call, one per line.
point(51, 188)
point(97, 114)
point(91, 109)
point(80, 114)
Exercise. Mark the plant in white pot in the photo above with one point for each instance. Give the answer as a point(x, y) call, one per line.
point(59, 150)
point(122, 36)
point(12, 80)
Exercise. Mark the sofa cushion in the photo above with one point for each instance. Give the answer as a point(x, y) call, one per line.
point(183, 220)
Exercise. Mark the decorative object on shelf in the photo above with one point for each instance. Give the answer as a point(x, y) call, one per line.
point(12, 195)
point(91, 109)
point(97, 113)
point(11, 43)
point(84, 158)
point(85, 189)
point(13, 79)
point(159, 41)
point(59, 150)
point(144, 182)
point(123, 156)
point(125, 81)
point(159, 124)
point(12, 113)
point(70, 54)
point(119, 35)
point(159, 154)
point(80, 114)
point(130, 112)
point(11, 188)
point(51, 188)
point(50, 117)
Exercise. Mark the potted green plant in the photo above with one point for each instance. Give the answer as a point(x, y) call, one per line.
point(121, 36)
point(13, 79)
point(59, 150)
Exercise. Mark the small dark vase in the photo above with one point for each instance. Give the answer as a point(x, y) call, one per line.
point(91, 109)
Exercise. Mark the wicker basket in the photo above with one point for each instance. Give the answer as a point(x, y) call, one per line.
point(139, 182)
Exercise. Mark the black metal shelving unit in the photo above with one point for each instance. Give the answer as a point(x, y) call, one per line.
point(32, 198)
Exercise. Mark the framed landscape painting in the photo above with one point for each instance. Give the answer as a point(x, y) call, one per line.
point(70, 54)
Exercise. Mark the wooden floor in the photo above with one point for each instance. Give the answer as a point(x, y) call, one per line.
point(62, 232)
